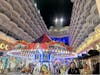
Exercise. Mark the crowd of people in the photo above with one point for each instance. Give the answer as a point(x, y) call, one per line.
point(85, 70)
point(57, 69)
point(61, 70)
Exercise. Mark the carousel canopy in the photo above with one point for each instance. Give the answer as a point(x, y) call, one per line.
point(43, 38)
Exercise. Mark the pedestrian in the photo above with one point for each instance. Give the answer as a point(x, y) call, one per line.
point(86, 70)
point(73, 69)
point(96, 69)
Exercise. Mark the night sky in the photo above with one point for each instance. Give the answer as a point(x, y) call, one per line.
point(50, 9)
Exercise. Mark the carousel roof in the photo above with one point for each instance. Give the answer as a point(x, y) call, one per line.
point(43, 38)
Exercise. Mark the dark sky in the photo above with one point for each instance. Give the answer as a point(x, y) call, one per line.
point(50, 9)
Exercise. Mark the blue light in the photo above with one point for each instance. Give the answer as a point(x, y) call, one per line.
point(46, 57)
point(40, 51)
point(62, 39)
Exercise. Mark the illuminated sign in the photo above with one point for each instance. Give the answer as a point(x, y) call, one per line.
point(46, 57)
point(37, 56)
point(5, 46)
point(62, 39)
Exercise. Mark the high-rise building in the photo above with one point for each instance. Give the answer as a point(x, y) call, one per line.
point(84, 21)
point(20, 20)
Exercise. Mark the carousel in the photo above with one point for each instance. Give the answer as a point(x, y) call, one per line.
point(43, 52)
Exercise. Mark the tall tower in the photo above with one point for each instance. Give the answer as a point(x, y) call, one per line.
point(85, 18)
